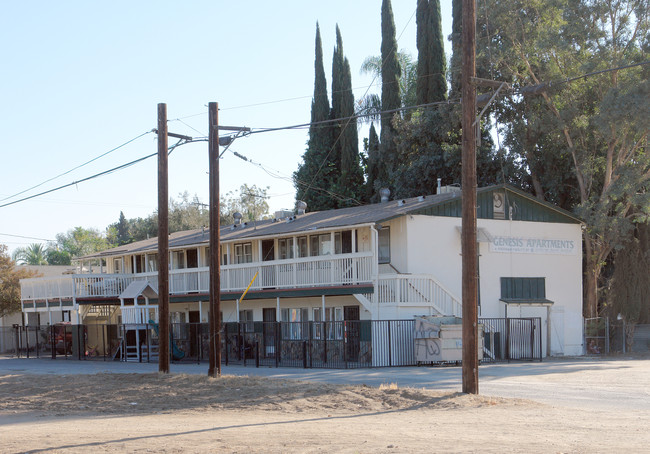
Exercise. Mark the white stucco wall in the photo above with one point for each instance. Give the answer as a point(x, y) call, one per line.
point(433, 247)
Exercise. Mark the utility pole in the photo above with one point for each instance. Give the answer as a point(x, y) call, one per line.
point(214, 368)
point(468, 182)
point(163, 242)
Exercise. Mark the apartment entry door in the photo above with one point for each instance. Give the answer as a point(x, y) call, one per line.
point(269, 331)
point(351, 317)
point(267, 276)
point(195, 333)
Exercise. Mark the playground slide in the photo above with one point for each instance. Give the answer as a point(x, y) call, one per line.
point(177, 353)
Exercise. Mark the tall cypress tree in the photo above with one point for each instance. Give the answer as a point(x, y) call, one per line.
point(317, 169)
point(372, 164)
point(431, 82)
point(346, 141)
point(438, 61)
point(456, 47)
point(422, 43)
point(390, 96)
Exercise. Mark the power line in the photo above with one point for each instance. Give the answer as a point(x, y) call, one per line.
point(77, 167)
point(106, 172)
point(279, 176)
point(353, 117)
point(26, 237)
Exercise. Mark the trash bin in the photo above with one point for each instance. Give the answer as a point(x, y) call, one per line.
point(440, 339)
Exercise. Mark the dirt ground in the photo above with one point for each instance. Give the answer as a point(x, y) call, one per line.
point(193, 413)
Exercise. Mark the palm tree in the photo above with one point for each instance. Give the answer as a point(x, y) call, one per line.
point(34, 254)
point(371, 103)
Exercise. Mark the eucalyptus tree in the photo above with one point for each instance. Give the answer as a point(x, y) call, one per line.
point(579, 114)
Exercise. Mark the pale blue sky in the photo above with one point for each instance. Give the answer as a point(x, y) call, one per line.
point(80, 78)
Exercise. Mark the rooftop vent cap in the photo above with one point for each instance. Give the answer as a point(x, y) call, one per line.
point(384, 193)
point(238, 217)
point(401, 203)
point(421, 198)
point(301, 207)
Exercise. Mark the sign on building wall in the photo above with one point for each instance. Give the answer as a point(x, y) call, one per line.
point(522, 245)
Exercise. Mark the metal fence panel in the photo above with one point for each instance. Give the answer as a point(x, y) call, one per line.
point(334, 345)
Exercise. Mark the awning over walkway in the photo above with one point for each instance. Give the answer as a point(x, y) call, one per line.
point(527, 301)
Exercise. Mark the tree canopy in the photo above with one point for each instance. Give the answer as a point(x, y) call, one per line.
point(583, 138)
point(10, 277)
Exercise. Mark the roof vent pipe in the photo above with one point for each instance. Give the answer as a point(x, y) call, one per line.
point(238, 217)
point(301, 207)
point(439, 185)
point(384, 193)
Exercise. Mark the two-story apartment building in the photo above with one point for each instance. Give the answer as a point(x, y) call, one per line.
point(386, 261)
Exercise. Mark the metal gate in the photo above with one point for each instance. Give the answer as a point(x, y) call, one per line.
point(507, 339)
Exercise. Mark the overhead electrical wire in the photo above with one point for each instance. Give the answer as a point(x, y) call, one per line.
point(520, 90)
point(26, 237)
point(105, 172)
point(279, 176)
point(77, 167)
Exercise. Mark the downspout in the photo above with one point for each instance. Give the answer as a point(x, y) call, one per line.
point(374, 245)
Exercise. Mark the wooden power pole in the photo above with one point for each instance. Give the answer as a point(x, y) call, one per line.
point(468, 182)
point(163, 242)
point(214, 368)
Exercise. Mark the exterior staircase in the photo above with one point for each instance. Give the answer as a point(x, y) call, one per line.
point(411, 290)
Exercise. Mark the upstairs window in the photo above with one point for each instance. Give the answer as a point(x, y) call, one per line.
point(384, 245)
point(302, 247)
point(178, 260)
point(285, 246)
point(152, 262)
point(243, 253)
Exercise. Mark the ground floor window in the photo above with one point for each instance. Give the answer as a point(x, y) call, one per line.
point(179, 327)
point(296, 324)
point(526, 288)
point(246, 320)
point(330, 325)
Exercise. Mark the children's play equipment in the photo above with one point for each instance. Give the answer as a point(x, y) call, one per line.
point(177, 353)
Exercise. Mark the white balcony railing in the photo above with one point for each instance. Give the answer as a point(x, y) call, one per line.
point(418, 289)
point(293, 273)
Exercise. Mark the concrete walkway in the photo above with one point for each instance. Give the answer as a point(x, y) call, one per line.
point(622, 383)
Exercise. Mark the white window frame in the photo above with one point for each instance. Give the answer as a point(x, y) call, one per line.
point(243, 252)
